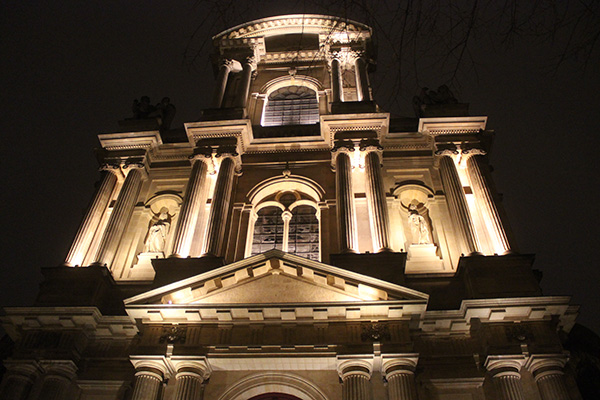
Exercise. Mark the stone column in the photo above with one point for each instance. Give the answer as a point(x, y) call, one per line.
point(481, 185)
point(549, 375)
point(399, 371)
point(506, 376)
point(219, 208)
point(147, 385)
point(376, 200)
point(355, 375)
point(91, 220)
point(120, 215)
point(346, 211)
point(18, 379)
point(337, 93)
point(224, 71)
point(457, 203)
point(193, 202)
point(57, 383)
point(362, 79)
point(248, 68)
point(286, 216)
point(189, 378)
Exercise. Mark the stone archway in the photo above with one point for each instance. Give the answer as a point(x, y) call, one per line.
point(269, 384)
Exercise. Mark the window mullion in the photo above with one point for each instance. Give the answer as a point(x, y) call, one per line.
point(286, 216)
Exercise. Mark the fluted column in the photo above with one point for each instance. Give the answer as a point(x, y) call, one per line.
point(147, 384)
point(189, 378)
point(346, 211)
point(506, 376)
point(219, 208)
point(120, 215)
point(549, 375)
point(481, 185)
point(57, 383)
point(248, 68)
point(355, 375)
point(399, 373)
point(93, 215)
point(224, 71)
point(362, 79)
point(457, 204)
point(193, 202)
point(376, 200)
point(336, 81)
point(18, 379)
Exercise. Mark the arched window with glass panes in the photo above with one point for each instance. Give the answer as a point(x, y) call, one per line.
point(287, 222)
point(291, 105)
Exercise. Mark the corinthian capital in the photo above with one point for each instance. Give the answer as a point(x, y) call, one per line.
point(446, 149)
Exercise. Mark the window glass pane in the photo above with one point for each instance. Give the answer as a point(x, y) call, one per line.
point(268, 230)
point(303, 237)
point(291, 105)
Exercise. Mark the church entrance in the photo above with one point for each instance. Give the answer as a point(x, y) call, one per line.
point(274, 396)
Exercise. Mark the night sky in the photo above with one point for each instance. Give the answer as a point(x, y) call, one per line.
point(71, 69)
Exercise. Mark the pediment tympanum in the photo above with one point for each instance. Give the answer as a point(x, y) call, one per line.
point(276, 277)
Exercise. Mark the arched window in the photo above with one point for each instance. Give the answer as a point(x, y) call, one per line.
point(285, 216)
point(268, 230)
point(291, 105)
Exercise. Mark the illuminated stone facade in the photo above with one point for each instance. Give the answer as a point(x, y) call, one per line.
point(295, 243)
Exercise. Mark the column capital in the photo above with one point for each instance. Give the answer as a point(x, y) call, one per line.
point(369, 145)
point(393, 364)
point(342, 147)
point(503, 365)
point(136, 165)
point(450, 152)
point(542, 365)
point(286, 215)
point(355, 365)
point(111, 167)
point(197, 367)
point(154, 367)
point(62, 368)
point(226, 63)
point(26, 368)
point(251, 61)
point(473, 151)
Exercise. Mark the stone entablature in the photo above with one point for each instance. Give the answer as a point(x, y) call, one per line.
point(282, 25)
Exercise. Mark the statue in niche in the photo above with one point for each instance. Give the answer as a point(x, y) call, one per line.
point(418, 226)
point(157, 234)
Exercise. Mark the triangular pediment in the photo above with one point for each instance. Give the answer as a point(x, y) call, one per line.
point(276, 277)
